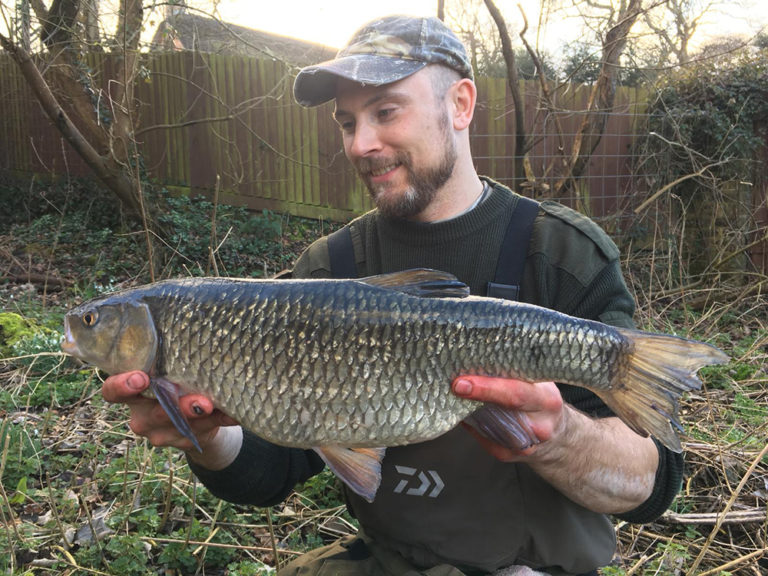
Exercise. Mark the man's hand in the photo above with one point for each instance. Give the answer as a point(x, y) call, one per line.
point(220, 445)
point(599, 463)
point(540, 404)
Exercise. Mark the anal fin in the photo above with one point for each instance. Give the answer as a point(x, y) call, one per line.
point(358, 468)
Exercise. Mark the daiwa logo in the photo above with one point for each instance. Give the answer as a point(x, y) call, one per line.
point(418, 482)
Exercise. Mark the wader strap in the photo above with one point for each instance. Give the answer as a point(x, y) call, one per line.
point(342, 254)
point(514, 249)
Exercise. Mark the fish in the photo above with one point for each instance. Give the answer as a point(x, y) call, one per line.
point(351, 367)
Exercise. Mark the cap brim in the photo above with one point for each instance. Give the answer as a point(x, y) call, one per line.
point(315, 85)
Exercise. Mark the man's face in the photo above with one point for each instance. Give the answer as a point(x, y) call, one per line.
point(400, 139)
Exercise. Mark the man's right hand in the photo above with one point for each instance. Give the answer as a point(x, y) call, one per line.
point(218, 434)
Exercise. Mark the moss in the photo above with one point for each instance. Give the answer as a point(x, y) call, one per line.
point(13, 329)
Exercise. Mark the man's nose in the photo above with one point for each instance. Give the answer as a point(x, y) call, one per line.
point(363, 141)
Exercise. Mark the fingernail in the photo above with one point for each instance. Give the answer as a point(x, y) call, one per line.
point(197, 410)
point(136, 382)
point(462, 387)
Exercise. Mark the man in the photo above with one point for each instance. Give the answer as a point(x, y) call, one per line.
point(404, 102)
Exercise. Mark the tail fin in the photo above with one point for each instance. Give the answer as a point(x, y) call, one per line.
point(661, 368)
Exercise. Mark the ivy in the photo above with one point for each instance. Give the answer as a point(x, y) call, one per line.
point(713, 112)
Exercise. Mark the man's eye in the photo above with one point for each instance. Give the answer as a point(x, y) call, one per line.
point(385, 113)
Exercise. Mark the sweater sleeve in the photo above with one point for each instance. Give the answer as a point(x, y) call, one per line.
point(263, 474)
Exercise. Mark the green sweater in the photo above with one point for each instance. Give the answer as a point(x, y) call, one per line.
point(573, 267)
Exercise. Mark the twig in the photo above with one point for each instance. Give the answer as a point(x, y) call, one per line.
point(755, 462)
point(12, 520)
point(212, 243)
point(168, 497)
point(272, 538)
point(199, 543)
point(733, 563)
point(680, 180)
point(55, 511)
point(34, 278)
point(735, 517)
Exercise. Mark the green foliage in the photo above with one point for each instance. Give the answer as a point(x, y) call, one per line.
point(324, 490)
point(25, 202)
point(581, 63)
point(249, 568)
point(126, 555)
point(493, 64)
point(244, 242)
point(672, 559)
point(23, 460)
point(714, 112)
point(178, 555)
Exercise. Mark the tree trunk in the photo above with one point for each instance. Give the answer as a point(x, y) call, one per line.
point(98, 124)
point(601, 101)
point(517, 97)
point(105, 167)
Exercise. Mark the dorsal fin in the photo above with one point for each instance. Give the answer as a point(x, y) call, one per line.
point(422, 282)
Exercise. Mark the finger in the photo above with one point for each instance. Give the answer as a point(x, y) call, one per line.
point(517, 394)
point(125, 386)
point(198, 407)
point(161, 432)
point(199, 411)
point(170, 438)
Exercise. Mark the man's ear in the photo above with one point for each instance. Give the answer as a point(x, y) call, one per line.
point(463, 98)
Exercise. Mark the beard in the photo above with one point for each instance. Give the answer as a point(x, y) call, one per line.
point(422, 183)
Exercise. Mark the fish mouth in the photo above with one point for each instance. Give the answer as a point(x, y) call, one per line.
point(68, 345)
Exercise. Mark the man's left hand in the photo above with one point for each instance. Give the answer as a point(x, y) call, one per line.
point(599, 463)
point(540, 403)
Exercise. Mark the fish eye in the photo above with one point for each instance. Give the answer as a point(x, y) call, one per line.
point(90, 318)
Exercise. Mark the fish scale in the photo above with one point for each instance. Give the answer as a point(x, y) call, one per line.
point(353, 358)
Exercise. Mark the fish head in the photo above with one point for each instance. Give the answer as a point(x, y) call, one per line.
point(115, 335)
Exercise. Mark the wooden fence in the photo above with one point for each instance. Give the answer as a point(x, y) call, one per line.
point(208, 115)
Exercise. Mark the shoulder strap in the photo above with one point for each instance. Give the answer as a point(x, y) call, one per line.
point(342, 254)
point(514, 249)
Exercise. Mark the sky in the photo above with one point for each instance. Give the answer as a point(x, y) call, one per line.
point(332, 22)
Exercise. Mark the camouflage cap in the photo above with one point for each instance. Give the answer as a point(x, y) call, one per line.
point(382, 52)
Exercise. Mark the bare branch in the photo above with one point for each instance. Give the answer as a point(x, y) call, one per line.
point(603, 94)
point(66, 127)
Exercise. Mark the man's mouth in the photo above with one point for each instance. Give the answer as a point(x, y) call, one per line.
point(383, 170)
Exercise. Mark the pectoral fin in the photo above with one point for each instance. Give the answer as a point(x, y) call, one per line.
point(507, 427)
point(167, 393)
point(358, 468)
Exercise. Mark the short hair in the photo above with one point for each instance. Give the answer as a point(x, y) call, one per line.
point(442, 78)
